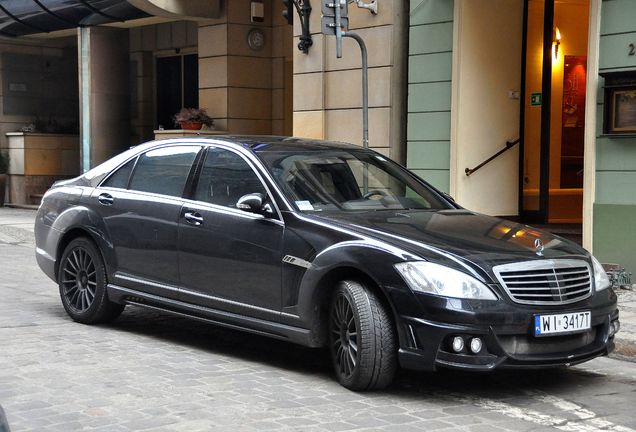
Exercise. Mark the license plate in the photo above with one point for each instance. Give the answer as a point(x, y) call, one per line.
point(548, 325)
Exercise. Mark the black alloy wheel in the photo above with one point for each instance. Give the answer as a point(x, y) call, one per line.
point(79, 279)
point(361, 338)
point(345, 336)
point(82, 283)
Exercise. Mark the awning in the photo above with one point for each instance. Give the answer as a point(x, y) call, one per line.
point(25, 17)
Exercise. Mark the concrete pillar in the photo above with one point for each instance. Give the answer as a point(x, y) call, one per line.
point(104, 93)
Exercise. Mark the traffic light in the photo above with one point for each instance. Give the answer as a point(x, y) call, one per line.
point(288, 11)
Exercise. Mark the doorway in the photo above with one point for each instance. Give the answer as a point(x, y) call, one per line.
point(554, 71)
point(177, 86)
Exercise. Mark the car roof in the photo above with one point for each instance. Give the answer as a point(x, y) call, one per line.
point(268, 143)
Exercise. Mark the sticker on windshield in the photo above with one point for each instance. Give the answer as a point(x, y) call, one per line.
point(304, 205)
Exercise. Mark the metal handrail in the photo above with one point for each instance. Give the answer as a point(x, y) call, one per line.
point(509, 145)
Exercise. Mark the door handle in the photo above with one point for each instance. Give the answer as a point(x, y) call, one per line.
point(193, 218)
point(106, 199)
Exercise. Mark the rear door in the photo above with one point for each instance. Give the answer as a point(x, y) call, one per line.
point(229, 259)
point(140, 205)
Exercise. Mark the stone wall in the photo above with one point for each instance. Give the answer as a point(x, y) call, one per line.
point(243, 88)
point(328, 90)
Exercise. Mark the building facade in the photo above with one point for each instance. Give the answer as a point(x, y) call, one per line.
point(452, 82)
point(483, 74)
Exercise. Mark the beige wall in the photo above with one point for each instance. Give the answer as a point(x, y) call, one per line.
point(328, 90)
point(486, 66)
point(243, 89)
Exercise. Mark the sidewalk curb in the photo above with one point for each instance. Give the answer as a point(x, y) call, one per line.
point(625, 350)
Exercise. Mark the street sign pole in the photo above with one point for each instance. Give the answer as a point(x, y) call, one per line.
point(365, 102)
point(335, 20)
point(365, 86)
point(338, 19)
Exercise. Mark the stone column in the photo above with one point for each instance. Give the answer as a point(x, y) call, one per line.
point(104, 93)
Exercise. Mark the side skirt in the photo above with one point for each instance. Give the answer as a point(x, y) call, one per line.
point(234, 321)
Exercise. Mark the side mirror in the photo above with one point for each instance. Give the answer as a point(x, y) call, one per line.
point(254, 203)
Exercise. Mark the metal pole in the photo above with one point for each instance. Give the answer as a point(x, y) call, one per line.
point(365, 102)
point(339, 31)
point(365, 87)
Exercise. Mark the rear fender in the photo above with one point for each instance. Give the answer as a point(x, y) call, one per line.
point(87, 220)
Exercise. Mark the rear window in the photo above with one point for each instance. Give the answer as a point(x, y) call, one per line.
point(164, 171)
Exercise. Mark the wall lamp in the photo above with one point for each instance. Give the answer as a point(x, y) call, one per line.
point(303, 9)
point(556, 42)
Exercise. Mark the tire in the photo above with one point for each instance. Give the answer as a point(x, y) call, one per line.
point(361, 338)
point(82, 282)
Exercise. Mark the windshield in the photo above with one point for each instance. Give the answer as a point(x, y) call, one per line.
point(346, 180)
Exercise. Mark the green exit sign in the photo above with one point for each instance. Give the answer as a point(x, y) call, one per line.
point(535, 99)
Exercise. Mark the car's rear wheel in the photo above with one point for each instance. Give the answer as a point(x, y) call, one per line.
point(82, 282)
point(362, 338)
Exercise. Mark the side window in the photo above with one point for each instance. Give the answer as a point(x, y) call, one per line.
point(165, 170)
point(225, 178)
point(119, 179)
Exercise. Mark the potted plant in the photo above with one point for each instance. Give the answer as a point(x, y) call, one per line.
point(193, 118)
point(4, 169)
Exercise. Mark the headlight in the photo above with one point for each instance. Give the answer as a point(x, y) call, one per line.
point(601, 280)
point(439, 280)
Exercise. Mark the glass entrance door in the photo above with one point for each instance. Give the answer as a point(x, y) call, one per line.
point(553, 111)
point(535, 121)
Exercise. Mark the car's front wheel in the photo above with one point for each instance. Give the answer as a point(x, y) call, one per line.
point(82, 282)
point(362, 338)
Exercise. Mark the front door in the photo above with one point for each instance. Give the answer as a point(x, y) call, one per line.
point(229, 259)
point(553, 112)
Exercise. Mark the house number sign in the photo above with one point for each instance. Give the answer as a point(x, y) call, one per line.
point(632, 49)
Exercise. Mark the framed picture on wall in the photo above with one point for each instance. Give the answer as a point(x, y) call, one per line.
point(619, 117)
point(623, 111)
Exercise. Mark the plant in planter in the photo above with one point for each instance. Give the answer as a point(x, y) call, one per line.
point(4, 169)
point(193, 118)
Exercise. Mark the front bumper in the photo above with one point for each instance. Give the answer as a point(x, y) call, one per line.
point(506, 331)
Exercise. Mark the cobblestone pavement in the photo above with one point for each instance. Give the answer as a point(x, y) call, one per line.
point(152, 371)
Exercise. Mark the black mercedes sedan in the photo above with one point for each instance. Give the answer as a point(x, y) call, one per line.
point(325, 245)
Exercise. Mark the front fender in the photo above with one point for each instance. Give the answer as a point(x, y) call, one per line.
point(350, 259)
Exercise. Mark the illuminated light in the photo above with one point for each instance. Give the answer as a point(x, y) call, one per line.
point(458, 344)
point(475, 345)
point(556, 42)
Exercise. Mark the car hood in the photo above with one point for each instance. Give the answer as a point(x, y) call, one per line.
point(459, 235)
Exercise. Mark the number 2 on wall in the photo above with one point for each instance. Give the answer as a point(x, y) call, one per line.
point(632, 49)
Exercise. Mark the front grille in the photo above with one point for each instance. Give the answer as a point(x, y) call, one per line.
point(546, 282)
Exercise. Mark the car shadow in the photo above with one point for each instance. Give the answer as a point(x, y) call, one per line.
point(222, 340)
point(315, 362)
